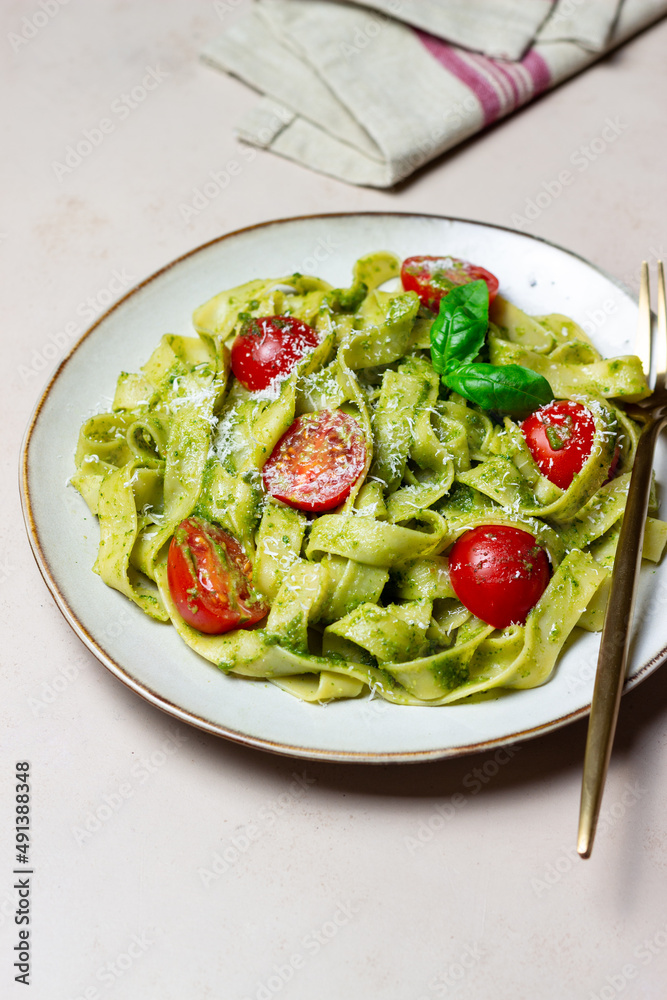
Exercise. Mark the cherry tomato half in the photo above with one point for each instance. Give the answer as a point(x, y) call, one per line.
point(317, 461)
point(209, 579)
point(433, 277)
point(499, 573)
point(268, 348)
point(560, 437)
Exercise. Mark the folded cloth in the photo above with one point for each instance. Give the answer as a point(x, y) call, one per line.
point(502, 29)
point(368, 99)
point(587, 22)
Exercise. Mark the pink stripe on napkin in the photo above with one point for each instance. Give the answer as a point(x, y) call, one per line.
point(448, 57)
point(499, 86)
point(538, 70)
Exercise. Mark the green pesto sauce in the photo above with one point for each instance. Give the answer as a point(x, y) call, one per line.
point(451, 672)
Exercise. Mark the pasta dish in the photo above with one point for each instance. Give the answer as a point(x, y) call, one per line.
point(413, 492)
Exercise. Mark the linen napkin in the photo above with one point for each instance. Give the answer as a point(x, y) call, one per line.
point(500, 28)
point(369, 99)
point(587, 22)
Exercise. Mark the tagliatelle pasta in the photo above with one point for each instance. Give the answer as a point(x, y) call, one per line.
point(360, 596)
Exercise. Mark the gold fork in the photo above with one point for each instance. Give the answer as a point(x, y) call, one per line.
point(613, 658)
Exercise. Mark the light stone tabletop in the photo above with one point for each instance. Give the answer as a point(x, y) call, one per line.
point(171, 865)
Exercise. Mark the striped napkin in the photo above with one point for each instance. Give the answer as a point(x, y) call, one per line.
point(369, 98)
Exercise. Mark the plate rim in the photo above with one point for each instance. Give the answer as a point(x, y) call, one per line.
point(216, 729)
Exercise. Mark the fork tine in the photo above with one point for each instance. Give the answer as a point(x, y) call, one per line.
point(661, 346)
point(643, 345)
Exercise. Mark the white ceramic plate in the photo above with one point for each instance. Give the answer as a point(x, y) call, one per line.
point(149, 657)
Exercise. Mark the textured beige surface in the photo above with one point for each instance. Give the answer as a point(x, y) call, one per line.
point(452, 879)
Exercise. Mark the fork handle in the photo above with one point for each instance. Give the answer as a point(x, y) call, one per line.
point(615, 641)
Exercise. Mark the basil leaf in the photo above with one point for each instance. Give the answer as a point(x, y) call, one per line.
point(509, 389)
point(460, 328)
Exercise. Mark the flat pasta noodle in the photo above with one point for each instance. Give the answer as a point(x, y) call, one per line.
point(360, 597)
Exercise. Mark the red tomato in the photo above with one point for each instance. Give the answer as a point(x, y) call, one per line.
point(317, 461)
point(560, 437)
point(268, 348)
point(209, 579)
point(433, 277)
point(499, 573)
